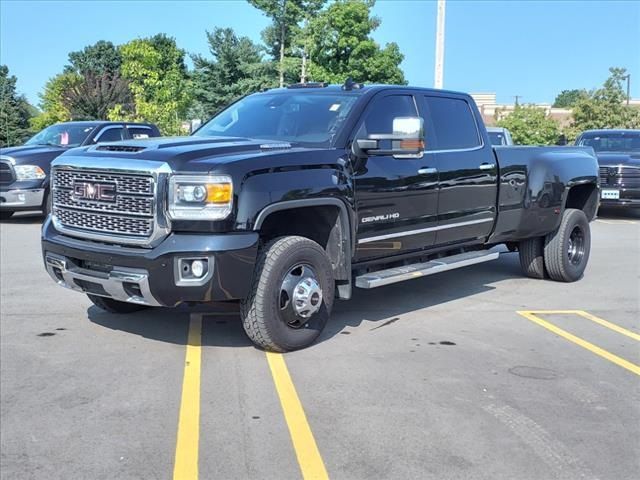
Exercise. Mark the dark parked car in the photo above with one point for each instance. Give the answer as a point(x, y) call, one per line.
point(24, 170)
point(618, 153)
point(290, 198)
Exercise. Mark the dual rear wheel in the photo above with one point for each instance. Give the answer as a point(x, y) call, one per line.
point(562, 255)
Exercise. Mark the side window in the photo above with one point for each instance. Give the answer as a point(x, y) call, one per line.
point(453, 124)
point(110, 134)
point(140, 132)
point(379, 118)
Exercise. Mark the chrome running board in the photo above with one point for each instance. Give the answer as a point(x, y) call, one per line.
point(407, 272)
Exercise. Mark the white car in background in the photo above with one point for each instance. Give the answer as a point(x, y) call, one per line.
point(499, 136)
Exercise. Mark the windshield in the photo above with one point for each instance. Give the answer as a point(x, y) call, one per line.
point(62, 135)
point(612, 142)
point(312, 119)
point(497, 138)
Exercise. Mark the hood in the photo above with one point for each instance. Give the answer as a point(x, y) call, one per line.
point(27, 154)
point(624, 159)
point(185, 153)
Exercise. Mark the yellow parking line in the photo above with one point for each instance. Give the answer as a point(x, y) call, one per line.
point(309, 459)
point(531, 315)
point(609, 325)
point(593, 318)
point(187, 444)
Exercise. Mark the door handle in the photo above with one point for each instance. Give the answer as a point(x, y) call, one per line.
point(427, 171)
point(487, 166)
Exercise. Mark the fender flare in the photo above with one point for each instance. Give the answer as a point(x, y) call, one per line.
point(348, 238)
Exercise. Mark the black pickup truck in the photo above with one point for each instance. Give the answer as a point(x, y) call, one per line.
point(24, 170)
point(289, 198)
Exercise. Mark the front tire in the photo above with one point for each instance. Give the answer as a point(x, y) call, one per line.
point(115, 306)
point(566, 251)
point(291, 296)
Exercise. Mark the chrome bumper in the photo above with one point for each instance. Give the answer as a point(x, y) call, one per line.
point(123, 284)
point(21, 198)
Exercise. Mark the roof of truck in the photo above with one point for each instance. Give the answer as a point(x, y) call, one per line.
point(316, 87)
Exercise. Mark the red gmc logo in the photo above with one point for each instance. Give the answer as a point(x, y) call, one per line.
point(105, 192)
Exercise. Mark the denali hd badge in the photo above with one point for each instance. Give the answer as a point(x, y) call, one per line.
point(105, 192)
point(380, 218)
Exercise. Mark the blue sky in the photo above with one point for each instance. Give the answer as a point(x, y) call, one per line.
point(532, 48)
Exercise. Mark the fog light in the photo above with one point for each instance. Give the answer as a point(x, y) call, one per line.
point(197, 268)
point(192, 271)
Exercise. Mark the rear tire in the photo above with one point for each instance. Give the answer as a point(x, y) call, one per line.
point(115, 306)
point(272, 315)
point(566, 251)
point(531, 253)
point(5, 215)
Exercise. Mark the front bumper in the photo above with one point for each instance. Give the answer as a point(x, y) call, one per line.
point(149, 276)
point(629, 197)
point(21, 199)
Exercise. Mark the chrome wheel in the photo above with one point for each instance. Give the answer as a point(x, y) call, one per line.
point(577, 245)
point(300, 296)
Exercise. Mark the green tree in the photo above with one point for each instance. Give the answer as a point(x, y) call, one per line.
point(283, 36)
point(236, 69)
point(100, 58)
point(342, 46)
point(530, 125)
point(14, 111)
point(52, 104)
point(158, 82)
point(568, 98)
point(94, 95)
point(606, 107)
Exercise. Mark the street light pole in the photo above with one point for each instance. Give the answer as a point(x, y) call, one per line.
point(439, 65)
point(628, 77)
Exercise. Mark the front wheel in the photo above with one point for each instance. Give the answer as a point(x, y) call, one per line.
point(115, 306)
point(566, 251)
point(291, 297)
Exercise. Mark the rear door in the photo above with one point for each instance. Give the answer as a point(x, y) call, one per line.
point(396, 198)
point(467, 170)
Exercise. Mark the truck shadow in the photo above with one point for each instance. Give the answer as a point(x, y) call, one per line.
point(24, 218)
point(619, 213)
point(222, 327)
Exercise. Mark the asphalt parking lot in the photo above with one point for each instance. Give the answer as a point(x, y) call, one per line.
point(472, 374)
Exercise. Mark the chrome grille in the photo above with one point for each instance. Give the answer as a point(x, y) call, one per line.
point(7, 175)
point(127, 205)
point(130, 217)
point(624, 177)
point(138, 227)
point(134, 184)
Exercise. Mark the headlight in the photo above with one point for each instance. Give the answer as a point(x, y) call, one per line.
point(194, 197)
point(29, 172)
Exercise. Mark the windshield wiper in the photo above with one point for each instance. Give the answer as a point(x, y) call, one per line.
point(50, 144)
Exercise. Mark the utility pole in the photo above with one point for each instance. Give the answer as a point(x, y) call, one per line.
point(628, 77)
point(439, 66)
point(517, 97)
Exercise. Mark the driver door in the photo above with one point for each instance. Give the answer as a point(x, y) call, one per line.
point(396, 198)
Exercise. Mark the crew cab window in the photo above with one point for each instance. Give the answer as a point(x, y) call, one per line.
point(140, 132)
point(379, 117)
point(453, 124)
point(111, 134)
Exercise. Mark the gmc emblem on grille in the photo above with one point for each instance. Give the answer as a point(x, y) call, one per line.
point(105, 192)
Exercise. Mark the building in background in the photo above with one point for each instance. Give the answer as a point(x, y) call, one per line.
point(488, 107)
